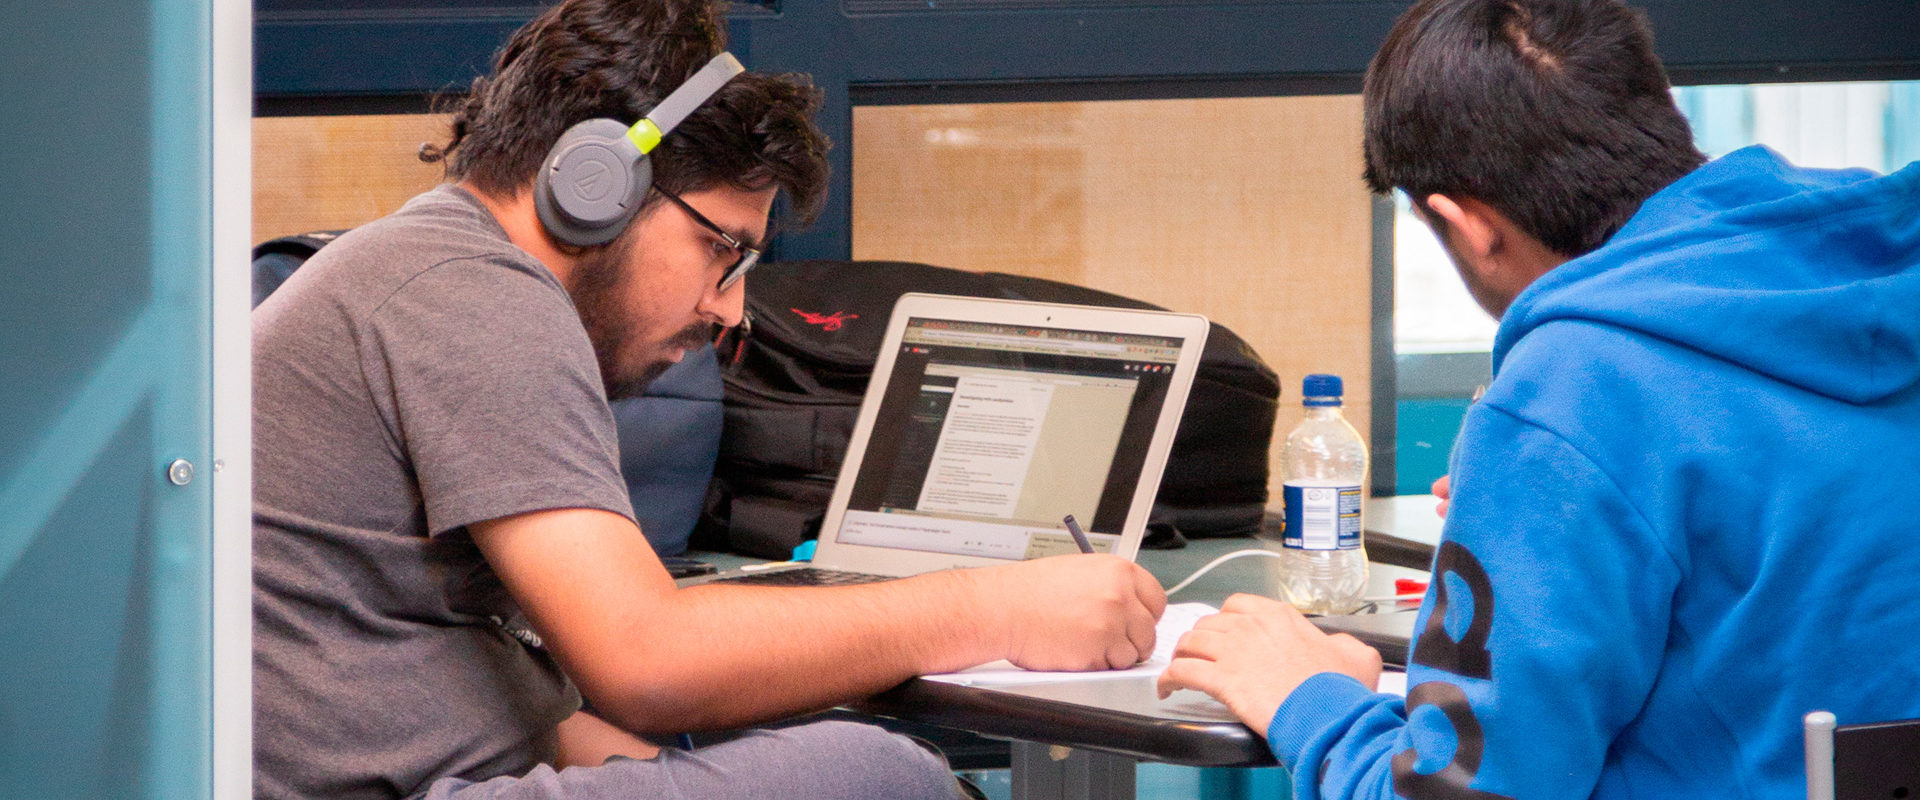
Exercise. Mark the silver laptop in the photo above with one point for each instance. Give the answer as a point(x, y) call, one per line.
point(987, 422)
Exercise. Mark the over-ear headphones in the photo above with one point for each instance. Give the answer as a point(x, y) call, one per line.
point(597, 175)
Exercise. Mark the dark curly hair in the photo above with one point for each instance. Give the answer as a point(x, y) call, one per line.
point(583, 59)
point(1554, 112)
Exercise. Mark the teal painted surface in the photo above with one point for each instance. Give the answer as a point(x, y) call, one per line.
point(105, 378)
point(1272, 783)
point(1172, 782)
point(1903, 124)
point(1425, 429)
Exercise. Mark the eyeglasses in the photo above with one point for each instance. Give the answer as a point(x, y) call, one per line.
point(744, 257)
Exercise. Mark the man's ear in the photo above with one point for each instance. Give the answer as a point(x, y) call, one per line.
point(1471, 221)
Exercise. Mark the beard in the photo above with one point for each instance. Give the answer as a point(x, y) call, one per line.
point(599, 282)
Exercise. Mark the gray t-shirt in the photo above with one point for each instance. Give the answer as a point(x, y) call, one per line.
point(418, 375)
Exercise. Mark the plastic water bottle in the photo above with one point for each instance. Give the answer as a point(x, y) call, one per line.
point(1324, 467)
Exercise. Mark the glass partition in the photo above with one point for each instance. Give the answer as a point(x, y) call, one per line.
point(108, 465)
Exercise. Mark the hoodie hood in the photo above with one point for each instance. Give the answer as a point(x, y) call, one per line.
point(1810, 277)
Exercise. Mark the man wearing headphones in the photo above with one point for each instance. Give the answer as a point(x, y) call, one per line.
point(445, 556)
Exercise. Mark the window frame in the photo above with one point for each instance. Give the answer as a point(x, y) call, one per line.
point(390, 56)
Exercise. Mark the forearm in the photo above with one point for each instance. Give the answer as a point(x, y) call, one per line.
point(657, 659)
point(715, 657)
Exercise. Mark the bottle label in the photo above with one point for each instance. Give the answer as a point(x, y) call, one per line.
point(1322, 517)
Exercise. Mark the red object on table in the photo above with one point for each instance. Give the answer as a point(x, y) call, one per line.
point(1409, 586)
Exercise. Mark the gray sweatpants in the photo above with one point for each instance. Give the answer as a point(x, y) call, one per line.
point(818, 761)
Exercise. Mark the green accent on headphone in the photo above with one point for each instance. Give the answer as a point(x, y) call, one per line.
point(644, 135)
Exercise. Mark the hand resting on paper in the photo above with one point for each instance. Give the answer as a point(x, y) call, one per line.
point(1256, 651)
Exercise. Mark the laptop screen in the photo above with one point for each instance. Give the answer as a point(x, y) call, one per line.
point(989, 434)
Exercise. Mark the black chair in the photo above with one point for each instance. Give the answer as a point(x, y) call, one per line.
point(1871, 761)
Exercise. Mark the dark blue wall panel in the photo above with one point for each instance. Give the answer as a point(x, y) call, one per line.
point(315, 56)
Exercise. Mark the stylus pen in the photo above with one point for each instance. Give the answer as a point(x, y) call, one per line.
point(1079, 536)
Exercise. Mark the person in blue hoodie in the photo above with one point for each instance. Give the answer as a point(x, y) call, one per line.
point(1687, 510)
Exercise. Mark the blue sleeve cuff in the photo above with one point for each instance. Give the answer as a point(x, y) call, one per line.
point(1324, 700)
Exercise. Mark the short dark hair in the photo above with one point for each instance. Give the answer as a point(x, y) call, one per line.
point(1554, 112)
point(583, 59)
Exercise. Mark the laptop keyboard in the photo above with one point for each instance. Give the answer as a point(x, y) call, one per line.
point(806, 576)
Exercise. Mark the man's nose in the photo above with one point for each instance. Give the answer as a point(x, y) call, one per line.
point(725, 307)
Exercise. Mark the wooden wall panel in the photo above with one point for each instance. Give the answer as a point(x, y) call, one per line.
point(318, 173)
point(1248, 210)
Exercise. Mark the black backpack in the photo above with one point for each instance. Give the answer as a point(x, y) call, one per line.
point(795, 377)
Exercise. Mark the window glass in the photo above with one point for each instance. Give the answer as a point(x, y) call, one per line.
point(1874, 125)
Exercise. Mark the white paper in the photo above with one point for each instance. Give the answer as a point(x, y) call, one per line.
point(1174, 623)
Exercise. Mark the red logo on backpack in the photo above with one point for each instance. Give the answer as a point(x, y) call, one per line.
point(827, 322)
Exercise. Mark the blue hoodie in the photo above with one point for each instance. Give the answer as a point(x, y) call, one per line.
point(1686, 513)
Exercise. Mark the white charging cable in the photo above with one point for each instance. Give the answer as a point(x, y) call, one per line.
point(1217, 562)
point(1188, 581)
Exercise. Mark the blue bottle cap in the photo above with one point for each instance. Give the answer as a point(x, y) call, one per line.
point(1321, 390)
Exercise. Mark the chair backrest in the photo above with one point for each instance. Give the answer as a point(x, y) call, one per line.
point(1871, 761)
